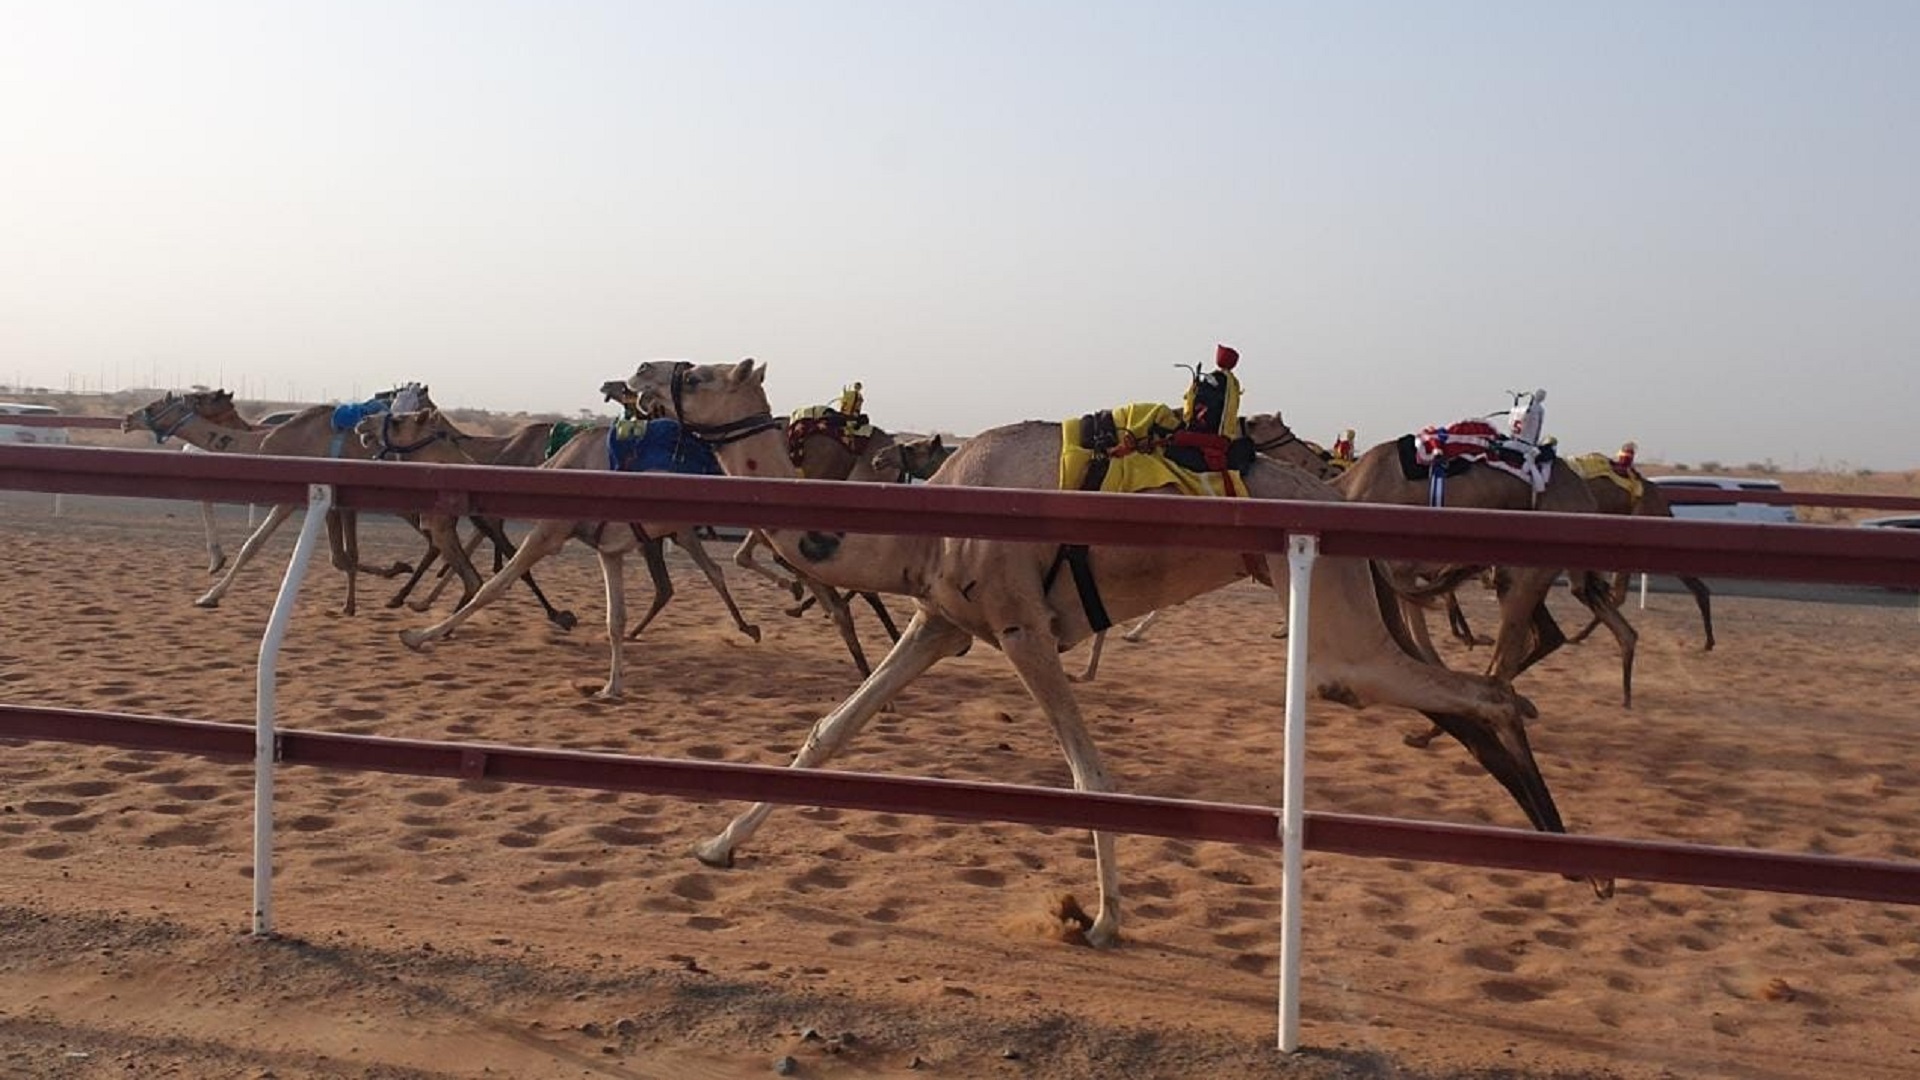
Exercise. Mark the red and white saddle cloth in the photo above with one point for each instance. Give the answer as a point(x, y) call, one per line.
point(1469, 441)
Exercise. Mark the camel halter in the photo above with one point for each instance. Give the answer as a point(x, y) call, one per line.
point(388, 451)
point(715, 434)
point(1285, 438)
point(147, 417)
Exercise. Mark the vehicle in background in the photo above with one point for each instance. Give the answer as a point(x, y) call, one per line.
point(1677, 487)
point(1897, 521)
point(21, 433)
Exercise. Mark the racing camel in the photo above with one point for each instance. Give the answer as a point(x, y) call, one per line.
point(998, 592)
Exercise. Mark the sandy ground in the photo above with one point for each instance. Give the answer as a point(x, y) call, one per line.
point(443, 929)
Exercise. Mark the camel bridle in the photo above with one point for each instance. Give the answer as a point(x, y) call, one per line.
point(715, 434)
point(388, 451)
point(153, 422)
point(1285, 438)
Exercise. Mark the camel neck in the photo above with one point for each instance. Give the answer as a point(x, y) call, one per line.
point(207, 435)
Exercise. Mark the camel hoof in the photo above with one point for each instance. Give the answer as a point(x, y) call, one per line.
point(214, 566)
point(1280, 634)
point(207, 602)
point(1103, 937)
point(752, 632)
point(1602, 888)
point(565, 620)
point(1419, 740)
point(714, 854)
point(415, 640)
point(795, 611)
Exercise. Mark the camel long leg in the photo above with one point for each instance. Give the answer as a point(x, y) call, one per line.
point(503, 549)
point(245, 555)
point(443, 534)
point(440, 579)
point(1093, 659)
point(216, 558)
point(610, 569)
point(546, 538)
point(1704, 599)
point(880, 612)
point(743, 558)
point(1035, 655)
point(420, 569)
point(1592, 592)
point(1139, 629)
point(928, 640)
point(836, 608)
point(654, 551)
point(697, 551)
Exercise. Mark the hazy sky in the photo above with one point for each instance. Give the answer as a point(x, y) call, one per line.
point(1693, 223)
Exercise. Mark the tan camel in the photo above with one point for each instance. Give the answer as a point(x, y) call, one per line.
point(1001, 593)
point(310, 433)
point(1527, 630)
point(821, 456)
point(1612, 498)
point(526, 446)
point(180, 415)
point(215, 407)
point(612, 541)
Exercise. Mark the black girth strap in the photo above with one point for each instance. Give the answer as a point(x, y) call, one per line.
point(1074, 556)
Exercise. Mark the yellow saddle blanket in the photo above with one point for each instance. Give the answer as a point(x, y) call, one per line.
point(1138, 461)
point(1596, 466)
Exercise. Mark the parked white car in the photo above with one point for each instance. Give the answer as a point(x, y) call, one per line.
point(21, 433)
point(1897, 521)
point(1677, 487)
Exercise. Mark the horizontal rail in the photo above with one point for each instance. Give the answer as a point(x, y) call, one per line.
point(64, 421)
point(1716, 497)
point(1478, 537)
point(1347, 834)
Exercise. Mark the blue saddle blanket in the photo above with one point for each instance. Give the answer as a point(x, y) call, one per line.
point(345, 417)
point(658, 446)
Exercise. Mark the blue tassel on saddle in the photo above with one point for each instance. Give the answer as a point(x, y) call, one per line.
point(658, 446)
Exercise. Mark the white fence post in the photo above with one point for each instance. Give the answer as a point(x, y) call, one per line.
point(1301, 552)
point(265, 743)
point(1643, 590)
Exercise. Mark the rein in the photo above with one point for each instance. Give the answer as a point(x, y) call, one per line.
point(716, 434)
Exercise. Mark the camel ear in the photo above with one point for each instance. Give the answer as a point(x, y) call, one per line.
point(745, 374)
point(935, 445)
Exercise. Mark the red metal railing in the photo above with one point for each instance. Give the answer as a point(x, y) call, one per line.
point(1347, 834)
point(1797, 552)
point(1800, 551)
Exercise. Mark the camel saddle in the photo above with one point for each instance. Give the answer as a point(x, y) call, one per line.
point(660, 445)
point(1146, 445)
point(851, 430)
point(1599, 466)
point(1448, 450)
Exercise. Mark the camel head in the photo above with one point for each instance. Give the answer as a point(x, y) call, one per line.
point(714, 400)
point(407, 397)
point(1272, 437)
point(394, 434)
point(617, 390)
point(917, 458)
point(163, 416)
